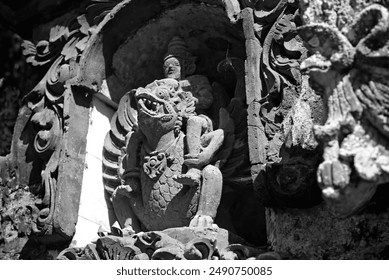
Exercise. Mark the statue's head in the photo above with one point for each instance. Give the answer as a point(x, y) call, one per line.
point(161, 107)
point(178, 61)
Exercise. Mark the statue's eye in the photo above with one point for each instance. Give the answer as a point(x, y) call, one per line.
point(163, 94)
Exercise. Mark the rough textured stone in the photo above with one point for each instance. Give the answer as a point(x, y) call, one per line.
point(317, 234)
point(351, 224)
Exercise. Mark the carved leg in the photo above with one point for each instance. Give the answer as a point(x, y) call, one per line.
point(194, 130)
point(210, 196)
point(124, 213)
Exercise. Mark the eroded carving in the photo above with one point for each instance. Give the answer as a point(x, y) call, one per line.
point(171, 244)
point(349, 67)
point(40, 172)
point(282, 146)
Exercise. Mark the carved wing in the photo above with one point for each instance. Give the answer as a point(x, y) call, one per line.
point(123, 123)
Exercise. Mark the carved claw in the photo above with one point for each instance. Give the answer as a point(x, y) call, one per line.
point(343, 195)
point(124, 190)
point(204, 221)
point(191, 178)
point(128, 231)
point(118, 231)
point(333, 176)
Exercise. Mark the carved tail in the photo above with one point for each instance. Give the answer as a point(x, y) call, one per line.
point(122, 123)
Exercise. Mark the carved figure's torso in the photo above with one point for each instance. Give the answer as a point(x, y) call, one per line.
point(163, 202)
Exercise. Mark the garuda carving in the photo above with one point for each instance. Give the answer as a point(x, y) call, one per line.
point(350, 68)
point(171, 174)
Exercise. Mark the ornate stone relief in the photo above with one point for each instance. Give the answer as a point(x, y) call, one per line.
point(203, 111)
point(42, 174)
point(281, 108)
point(157, 183)
point(171, 244)
point(349, 67)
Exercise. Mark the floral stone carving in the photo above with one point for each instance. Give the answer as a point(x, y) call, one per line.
point(350, 68)
point(171, 244)
point(41, 177)
point(281, 109)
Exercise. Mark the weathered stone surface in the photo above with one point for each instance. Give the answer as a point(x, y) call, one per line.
point(280, 106)
point(316, 234)
point(355, 60)
point(345, 40)
point(186, 243)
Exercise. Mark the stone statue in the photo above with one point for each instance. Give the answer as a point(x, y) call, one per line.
point(167, 178)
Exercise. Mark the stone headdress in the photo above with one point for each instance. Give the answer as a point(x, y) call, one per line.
point(178, 49)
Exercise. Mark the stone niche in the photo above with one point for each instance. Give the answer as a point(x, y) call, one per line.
point(130, 49)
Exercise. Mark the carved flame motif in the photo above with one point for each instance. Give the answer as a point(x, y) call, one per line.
point(350, 68)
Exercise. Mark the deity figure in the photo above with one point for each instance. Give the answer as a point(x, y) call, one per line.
point(179, 64)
